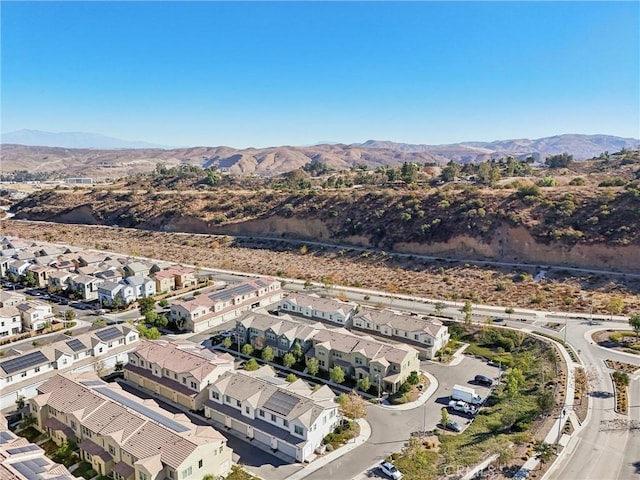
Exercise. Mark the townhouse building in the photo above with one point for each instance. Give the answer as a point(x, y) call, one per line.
point(428, 335)
point(281, 334)
point(142, 286)
point(18, 268)
point(10, 321)
point(24, 367)
point(179, 371)
point(86, 286)
point(136, 268)
point(288, 417)
point(40, 274)
point(11, 298)
point(327, 310)
point(213, 307)
point(124, 436)
point(113, 293)
point(386, 366)
point(174, 278)
point(35, 314)
point(23, 460)
point(60, 279)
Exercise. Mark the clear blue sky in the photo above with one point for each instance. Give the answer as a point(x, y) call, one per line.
point(260, 74)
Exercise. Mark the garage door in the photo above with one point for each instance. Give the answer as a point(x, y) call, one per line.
point(239, 426)
point(259, 436)
point(287, 449)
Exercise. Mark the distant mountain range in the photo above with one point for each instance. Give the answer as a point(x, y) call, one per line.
point(38, 138)
point(119, 161)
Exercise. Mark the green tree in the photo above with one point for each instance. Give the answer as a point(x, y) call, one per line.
point(545, 401)
point(562, 160)
point(467, 309)
point(247, 349)
point(364, 384)
point(69, 315)
point(313, 366)
point(164, 303)
point(31, 279)
point(162, 321)
point(408, 171)
point(28, 421)
point(444, 417)
point(20, 403)
point(146, 305)
point(634, 322)
point(450, 172)
point(226, 343)
point(413, 378)
point(514, 381)
point(251, 365)
point(544, 451)
point(288, 360)
point(150, 317)
point(337, 374)
point(267, 354)
point(615, 305)
point(291, 378)
point(297, 350)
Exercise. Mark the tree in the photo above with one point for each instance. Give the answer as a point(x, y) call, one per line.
point(46, 325)
point(291, 378)
point(150, 317)
point(545, 402)
point(117, 302)
point(544, 451)
point(562, 160)
point(69, 315)
point(352, 405)
point(439, 307)
point(297, 350)
point(408, 172)
point(288, 360)
point(162, 321)
point(313, 366)
point(20, 403)
point(509, 311)
point(247, 349)
point(226, 343)
point(444, 417)
point(337, 374)
point(267, 354)
point(164, 303)
point(251, 365)
point(467, 309)
point(31, 279)
point(364, 384)
point(28, 420)
point(634, 322)
point(514, 380)
point(413, 378)
point(146, 305)
point(450, 172)
point(615, 305)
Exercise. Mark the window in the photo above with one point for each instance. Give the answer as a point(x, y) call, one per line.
point(215, 395)
point(142, 363)
point(199, 463)
point(184, 380)
point(112, 450)
point(73, 425)
point(238, 403)
point(23, 374)
point(142, 476)
point(193, 385)
point(285, 422)
point(358, 360)
point(186, 472)
point(298, 430)
point(37, 369)
point(247, 409)
point(273, 417)
point(227, 398)
point(261, 412)
point(171, 474)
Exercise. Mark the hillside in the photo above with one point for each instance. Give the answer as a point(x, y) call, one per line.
point(61, 162)
point(592, 222)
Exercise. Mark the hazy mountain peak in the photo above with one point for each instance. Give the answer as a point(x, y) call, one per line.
point(71, 140)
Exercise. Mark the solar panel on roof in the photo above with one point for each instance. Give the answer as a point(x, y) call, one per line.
point(26, 448)
point(261, 283)
point(108, 334)
point(91, 383)
point(23, 362)
point(76, 345)
point(31, 468)
point(281, 403)
point(142, 409)
point(232, 292)
point(6, 436)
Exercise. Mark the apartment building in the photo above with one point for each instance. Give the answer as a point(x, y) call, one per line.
point(10, 298)
point(213, 307)
point(23, 460)
point(174, 278)
point(359, 356)
point(180, 371)
point(35, 314)
point(281, 334)
point(24, 367)
point(124, 436)
point(288, 417)
point(327, 310)
point(427, 335)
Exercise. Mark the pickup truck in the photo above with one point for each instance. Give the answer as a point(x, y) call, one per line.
point(460, 406)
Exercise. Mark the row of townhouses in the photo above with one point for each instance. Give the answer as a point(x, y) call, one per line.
point(288, 417)
point(25, 366)
point(122, 436)
point(215, 306)
point(17, 314)
point(23, 460)
point(387, 366)
point(427, 335)
point(90, 275)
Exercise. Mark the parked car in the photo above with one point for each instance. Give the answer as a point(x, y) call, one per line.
point(498, 320)
point(453, 426)
point(390, 470)
point(483, 380)
point(464, 407)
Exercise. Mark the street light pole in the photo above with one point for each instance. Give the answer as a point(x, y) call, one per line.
point(377, 377)
point(565, 329)
point(562, 415)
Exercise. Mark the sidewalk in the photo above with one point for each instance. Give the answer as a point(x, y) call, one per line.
point(422, 399)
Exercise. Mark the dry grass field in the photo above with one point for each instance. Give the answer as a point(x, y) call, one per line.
point(559, 291)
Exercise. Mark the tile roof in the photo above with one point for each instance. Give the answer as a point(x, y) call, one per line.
point(430, 326)
point(279, 325)
point(320, 304)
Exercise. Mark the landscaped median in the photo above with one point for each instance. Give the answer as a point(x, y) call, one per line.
point(509, 424)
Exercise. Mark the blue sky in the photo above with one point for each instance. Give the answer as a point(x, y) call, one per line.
point(289, 73)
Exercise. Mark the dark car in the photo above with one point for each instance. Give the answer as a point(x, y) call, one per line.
point(483, 380)
point(453, 426)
